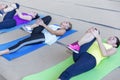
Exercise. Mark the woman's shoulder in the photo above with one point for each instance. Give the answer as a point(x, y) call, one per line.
point(107, 46)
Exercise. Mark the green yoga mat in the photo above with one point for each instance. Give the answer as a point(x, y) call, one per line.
point(105, 67)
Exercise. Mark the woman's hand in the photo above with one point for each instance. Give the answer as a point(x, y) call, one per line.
point(40, 22)
point(95, 32)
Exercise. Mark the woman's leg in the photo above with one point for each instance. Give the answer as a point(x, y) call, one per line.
point(85, 63)
point(83, 48)
point(39, 28)
point(8, 20)
point(87, 37)
point(11, 7)
point(2, 7)
point(9, 15)
point(35, 29)
point(47, 19)
point(9, 23)
point(75, 47)
point(28, 41)
point(6, 8)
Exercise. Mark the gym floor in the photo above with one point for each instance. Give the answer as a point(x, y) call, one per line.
point(103, 14)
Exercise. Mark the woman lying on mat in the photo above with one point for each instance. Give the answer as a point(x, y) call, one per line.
point(88, 52)
point(40, 33)
point(10, 19)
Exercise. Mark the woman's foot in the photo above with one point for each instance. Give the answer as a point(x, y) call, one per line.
point(27, 28)
point(1, 13)
point(6, 51)
point(15, 5)
point(74, 47)
point(11, 7)
point(2, 7)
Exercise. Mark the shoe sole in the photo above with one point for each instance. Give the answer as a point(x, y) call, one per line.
point(72, 50)
point(22, 28)
point(1, 15)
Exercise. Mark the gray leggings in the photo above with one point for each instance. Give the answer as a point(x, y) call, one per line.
point(36, 36)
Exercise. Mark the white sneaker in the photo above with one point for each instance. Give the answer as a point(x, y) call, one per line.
point(1, 13)
point(27, 29)
point(15, 5)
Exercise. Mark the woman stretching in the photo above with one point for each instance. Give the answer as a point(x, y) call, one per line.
point(10, 19)
point(41, 33)
point(85, 59)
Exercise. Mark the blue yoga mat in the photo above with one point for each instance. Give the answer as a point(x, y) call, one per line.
point(19, 26)
point(26, 49)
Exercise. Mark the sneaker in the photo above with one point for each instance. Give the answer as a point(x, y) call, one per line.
point(27, 29)
point(16, 5)
point(1, 13)
point(74, 47)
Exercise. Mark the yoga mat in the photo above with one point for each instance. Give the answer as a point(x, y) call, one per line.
point(105, 67)
point(26, 49)
point(19, 26)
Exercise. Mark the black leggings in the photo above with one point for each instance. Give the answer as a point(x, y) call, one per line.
point(36, 36)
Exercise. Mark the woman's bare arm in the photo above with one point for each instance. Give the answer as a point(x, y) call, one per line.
point(25, 17)
point(55, 32)
point(104, 51)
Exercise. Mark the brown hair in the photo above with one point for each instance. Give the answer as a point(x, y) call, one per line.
point(117, 42)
